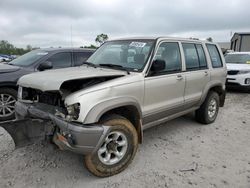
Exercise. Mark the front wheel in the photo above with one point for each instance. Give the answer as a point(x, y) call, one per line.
point(208, 111)
point(8, 99)
point(117, 150)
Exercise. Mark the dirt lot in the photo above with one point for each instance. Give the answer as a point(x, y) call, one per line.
point(181, 153)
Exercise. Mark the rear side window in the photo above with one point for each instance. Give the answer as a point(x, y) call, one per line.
point(81, 57)
point(202, 57)
point(214, 55)
point(60, 60)
point(194, 56)
point(191, 56)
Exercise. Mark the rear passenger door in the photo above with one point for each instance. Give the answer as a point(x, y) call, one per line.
point(197, 74)
point(61, 60)
point(81, 57)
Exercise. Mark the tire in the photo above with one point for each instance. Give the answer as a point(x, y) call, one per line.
point(95, 162)
point(8, 97)
point(208, 111)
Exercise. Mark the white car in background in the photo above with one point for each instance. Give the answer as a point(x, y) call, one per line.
point(238, 69)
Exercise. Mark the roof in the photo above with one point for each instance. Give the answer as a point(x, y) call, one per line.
point(242, 33)
point(160, 38)
point(67, 49)
point(239, 53)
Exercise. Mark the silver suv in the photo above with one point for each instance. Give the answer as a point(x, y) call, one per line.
point(101, 108)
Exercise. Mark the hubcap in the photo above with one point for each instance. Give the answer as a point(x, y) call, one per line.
point(212, 107)
point(113, 149)
point(7, 105)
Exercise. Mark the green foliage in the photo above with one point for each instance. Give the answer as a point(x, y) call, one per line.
point(10, 49)
point(91, 46)
point(101, 38)
point(210, 39)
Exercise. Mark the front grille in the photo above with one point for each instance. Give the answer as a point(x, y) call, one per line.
point(50, 98)
point(232, 72)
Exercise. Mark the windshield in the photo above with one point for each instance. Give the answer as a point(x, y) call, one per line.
point(129, 54)
point(238, 58)
point(28, 58)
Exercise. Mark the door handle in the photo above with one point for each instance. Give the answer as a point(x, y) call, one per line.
point(179, 77)
point(206, 73)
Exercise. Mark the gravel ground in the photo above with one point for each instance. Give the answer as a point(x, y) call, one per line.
point(181, 153)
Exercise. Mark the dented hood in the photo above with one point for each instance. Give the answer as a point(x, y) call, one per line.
point(52, 80)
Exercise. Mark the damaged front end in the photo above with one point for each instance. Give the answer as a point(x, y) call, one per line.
point(42, 115)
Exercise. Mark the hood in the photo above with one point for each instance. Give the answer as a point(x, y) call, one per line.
point(52, 80)
point(236, 66)
point(5, 68)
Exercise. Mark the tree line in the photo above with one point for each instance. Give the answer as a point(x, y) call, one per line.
point(9, 49)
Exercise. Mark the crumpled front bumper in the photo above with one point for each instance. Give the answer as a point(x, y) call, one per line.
point(76, 137)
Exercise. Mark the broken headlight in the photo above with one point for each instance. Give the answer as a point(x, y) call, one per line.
point(20, 92)
point(73, 111)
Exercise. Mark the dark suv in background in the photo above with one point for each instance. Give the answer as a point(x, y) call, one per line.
point(36, 60)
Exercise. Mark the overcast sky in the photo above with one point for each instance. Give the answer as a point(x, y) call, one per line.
point(45, 23)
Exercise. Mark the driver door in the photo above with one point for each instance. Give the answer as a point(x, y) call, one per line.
point(164, 91)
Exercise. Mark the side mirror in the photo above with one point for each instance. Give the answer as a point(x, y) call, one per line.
point(45, 65)
point(158, 65)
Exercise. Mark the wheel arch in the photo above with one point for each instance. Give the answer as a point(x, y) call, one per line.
point(11, 85)
point(218, 88)
point(126, 107)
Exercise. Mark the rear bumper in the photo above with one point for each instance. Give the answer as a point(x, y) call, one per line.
point(76, 137)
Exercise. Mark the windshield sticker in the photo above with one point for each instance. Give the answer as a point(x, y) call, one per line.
point(138, 44)
point(248, 62)
point(42, 53)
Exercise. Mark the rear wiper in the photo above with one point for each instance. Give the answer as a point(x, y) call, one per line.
point(114, 66)
point(89, 64)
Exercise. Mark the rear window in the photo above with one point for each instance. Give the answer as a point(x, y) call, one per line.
point(214, 55)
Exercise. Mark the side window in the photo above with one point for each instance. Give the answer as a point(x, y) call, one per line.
point(202, 57)
point(81, 57)
point(170, 53)
point(60, 60)
point(191, 56)
point(214, 55)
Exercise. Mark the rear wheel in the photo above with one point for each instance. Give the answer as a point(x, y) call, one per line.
point(8, 99)
point(117, 150)
point(208, 111)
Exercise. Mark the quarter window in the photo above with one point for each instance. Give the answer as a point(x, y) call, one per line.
point(60, 60)
point(214, 55)
point(170, 53)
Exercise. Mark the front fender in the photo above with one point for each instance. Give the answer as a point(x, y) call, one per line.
point(99, 109)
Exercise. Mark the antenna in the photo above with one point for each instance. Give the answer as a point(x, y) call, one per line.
point(71, 35)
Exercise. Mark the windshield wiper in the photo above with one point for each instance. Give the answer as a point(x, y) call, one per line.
point(114, 66)
point(89, 64)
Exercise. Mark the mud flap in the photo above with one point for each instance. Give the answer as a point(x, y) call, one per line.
point(26, 131)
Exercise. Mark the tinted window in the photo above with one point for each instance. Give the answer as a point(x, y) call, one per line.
point(60, 60)
point(214, 55)
point(191, 56)
point(170, 53)
point(81, 57)
point(201, 54)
